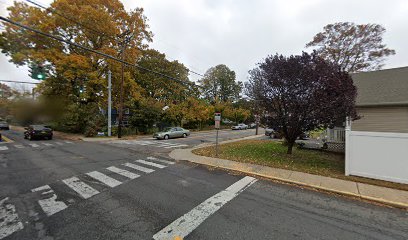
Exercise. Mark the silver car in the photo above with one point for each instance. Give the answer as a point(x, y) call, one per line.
point(4, 125)
point(240, 126)
point(172, 132)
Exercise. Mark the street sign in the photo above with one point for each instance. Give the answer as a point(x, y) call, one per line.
point(217, 124)
point(217, 116)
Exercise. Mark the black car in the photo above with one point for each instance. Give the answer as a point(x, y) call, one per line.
point(38, 132)
point(4, 125)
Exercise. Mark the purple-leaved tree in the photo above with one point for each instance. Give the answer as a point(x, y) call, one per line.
point(301, 93)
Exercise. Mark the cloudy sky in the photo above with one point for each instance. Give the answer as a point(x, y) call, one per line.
point(240, 33)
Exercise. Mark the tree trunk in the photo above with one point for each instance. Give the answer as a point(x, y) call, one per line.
point(290, 147)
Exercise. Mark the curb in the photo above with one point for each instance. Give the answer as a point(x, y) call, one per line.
point(373, 199)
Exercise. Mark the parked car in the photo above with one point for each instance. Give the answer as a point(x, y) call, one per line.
point(272, 133)
point(38, 132)
point(4, 125)
point(172, 132)
point(252, 125)
point(240, 126)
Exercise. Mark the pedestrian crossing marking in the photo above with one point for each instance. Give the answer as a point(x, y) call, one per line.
point(34, 145)
point(19, 146)
point(160, 160)
point(139, 168)
point(83, 189)
point(111, 182)
point(49, 205)
point(48, 144)
point(150, 143)
point(3, 148)
point(9, 220)
point(58, 143)
point(123, 172)
point(151, 163)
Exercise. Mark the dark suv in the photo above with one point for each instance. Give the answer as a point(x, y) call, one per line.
point(38, 132)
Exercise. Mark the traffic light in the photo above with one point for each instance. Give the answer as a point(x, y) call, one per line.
point(37, 71)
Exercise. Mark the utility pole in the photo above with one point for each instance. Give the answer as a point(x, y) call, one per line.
point(121, 92)
point(109, 103)
point(126, 39)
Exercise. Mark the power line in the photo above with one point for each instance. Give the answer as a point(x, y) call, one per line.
point(11, 81)
point(88, 49)
point(50, 9)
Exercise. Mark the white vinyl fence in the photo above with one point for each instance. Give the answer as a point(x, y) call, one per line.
point(377, 155)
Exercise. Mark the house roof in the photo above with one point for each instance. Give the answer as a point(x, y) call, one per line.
point(382, 88)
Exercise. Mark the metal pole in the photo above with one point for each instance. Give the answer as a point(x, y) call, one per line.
point(109, 103)
point(216, 144)
point(121, 94)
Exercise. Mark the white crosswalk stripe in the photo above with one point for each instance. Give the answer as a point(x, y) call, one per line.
point(83, 189)
point(159, 160)
point(19, 146)
point(123, 172)
point(9, 221)
point(59, 143)
point(69, 142)
point(111, 182)
point(184, 225)
point(48, 144)
point(49, 205)
point(3, 148)
point(139, 168)
point(160, 144)
point(151, 163)
point(34, 145)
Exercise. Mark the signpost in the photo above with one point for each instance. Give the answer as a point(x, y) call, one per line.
point(217, 119)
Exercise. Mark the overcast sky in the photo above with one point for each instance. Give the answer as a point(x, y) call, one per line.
point(240, 33)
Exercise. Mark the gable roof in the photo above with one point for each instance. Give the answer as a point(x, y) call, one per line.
point(382, 88)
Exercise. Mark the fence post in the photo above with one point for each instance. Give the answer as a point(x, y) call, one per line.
point(347, 149)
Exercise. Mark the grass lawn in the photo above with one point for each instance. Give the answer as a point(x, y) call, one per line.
point(273, 154)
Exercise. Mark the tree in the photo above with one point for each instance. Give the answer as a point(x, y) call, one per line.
point(301, 93)
point(353, 47)
point(75, 77)
point(218, 84)
point(160, 88)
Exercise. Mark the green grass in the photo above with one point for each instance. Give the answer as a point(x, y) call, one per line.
point(273, 154)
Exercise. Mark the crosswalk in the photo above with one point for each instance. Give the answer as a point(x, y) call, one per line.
point(157, 143)
point(13, 146)
point(50, 203)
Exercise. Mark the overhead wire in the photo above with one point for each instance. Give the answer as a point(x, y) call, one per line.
point(50, 9)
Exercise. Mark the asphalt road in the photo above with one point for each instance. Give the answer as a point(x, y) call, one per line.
point(82, 190)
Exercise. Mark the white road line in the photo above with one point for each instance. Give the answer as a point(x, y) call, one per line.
point(3, 148)
point(151, 163)
point(68, 142)
point(175, 146)
point(159, 160)
point(49, 205)
point(139, 168)
point(111, 182)
point(123, 172)
point(9, 221)
point(59, 143)
point(83, 189)
point(34, 145)
point(48, 144)
point(191, 220)
point(19, 146)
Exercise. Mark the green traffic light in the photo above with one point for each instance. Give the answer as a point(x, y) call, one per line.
point(40, 76)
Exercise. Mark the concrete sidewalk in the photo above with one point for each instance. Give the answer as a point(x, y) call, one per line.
point(385, 195)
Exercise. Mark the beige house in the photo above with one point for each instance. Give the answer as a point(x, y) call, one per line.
point(382, 101)
point(377, 143)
